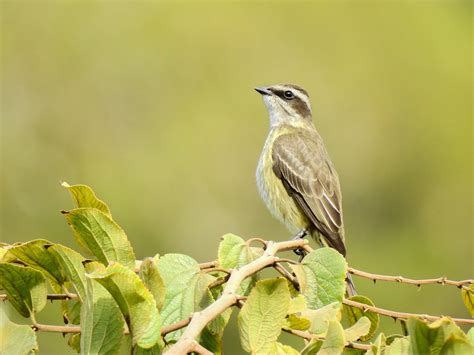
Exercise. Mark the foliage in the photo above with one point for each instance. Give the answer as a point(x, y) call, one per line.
point(169, 303)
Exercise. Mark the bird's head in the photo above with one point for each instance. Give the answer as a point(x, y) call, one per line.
point(286, 104)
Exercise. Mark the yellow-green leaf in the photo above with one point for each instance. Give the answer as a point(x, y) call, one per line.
point(151, 277)
point(102, 324)
point(334, 342)
point(25, 287)
point(134, 300)
point(35, 255)
point(358, 330)
point(277, 348)
point(321, 276)
point(353, 314)
point(263, 315)
point(467, 293)
point(297, 304)
point(399, 346)
point(101, 236)
point(84, 196)
point(71, 263)
point(186, 289)
point(320, 318)
point(431, 338)
point(234, 253)
point(16, 339)
point(297, 322)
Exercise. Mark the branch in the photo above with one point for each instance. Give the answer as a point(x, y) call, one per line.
point(401, 279)
point(401, 315)
point(229, 296)
point(309, 336)
point(51, 296)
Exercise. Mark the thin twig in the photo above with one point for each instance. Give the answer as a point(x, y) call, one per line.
point(199, 349)
point(285, 273)
point(260, 240)
point(52, 296)
point(56, 328)
point(175, 326)
point(229, 296)
point(401, 279)
point(309, 336)
point(401, 315)
point(208, 265)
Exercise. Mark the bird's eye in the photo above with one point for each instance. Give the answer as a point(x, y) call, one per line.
point(288, 95)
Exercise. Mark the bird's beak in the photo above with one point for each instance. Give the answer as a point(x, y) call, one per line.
point(263, 91)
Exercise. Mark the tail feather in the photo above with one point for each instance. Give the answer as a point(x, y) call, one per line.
point(351, 291)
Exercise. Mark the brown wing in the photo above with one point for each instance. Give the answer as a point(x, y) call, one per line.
point(301, 162)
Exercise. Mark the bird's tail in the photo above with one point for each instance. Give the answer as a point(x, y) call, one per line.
point(351, 291)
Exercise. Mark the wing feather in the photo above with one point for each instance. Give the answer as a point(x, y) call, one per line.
point(301, 162)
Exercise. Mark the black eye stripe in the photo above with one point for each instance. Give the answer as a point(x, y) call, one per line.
point(284, 94)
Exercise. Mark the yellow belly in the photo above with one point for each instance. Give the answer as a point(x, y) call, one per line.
point(272, 191)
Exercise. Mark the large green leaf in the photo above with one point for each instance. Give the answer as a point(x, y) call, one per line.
point(186, 289)
point(101, 236)
point(102, 324)
point(321, 276)
point(263, 315)
point(467, 294)
point(35, 255)
point(16, 339)
point(25, 287)
point(84, 196)
point(353, 314)
point(334, 342)
point(234, 253)
point(71, 263)
point(135, 301)
point(151, 277)
point(432, 338)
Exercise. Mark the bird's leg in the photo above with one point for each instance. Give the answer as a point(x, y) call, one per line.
point(299, 251)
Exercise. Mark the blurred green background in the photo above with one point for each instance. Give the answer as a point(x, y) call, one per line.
point(152, 105)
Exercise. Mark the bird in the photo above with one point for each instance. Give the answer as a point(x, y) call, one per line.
point(296, 178)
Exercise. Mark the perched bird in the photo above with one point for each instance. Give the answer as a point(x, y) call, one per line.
point(295, 176)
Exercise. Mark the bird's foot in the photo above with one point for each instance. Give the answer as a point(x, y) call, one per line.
point(300, 251)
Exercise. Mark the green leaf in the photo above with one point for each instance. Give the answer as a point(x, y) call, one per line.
point(151, 277)
point(84, 196)
point(134, 300)
point(334, 342)
point(378, 347)
point(211, 341)
point(263, 315)
point(320, 318)
point(234, 253)
point(353, 314)
point(467, 293)
point(25, 287)
point(321, 276)
point(102, 323)
point(430, 338)
point(399, 346)
point(71, 263)
point(16, 339)
point(35, 255)
point(71, 311)
point(297, 304)
point(74, 342)
point(277, 348)
point(470, 335)
point(312, 347)
point(358, 330)
point(186, 289)
point(457, 345)
point(296, 322)
point(101, 236)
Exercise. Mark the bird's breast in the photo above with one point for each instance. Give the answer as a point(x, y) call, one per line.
point(272, 191)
